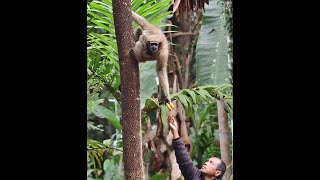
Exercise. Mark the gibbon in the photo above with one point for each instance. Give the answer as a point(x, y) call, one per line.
point(151, 44)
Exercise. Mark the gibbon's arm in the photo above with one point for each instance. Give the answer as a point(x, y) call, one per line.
point(145, 25)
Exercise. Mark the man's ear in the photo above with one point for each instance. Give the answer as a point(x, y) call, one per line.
point(217, 173)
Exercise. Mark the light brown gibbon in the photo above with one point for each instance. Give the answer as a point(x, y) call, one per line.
point(151, 44)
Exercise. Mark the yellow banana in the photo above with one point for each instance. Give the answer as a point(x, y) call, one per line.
point(168, 106)
point(171, 105)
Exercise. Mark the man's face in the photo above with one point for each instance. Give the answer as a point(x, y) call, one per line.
point(210, 167)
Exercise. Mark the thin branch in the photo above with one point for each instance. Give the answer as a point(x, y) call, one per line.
point(170, 34)
point(178, 69)
point(185, 34)
point(92, 148)
point(115, 94)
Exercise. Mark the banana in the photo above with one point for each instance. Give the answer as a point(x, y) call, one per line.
point(171, 105)
point(168, 106)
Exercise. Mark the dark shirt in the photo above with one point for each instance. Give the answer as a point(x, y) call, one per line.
point(188, 169)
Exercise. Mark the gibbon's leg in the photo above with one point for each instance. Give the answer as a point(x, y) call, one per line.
point(136, 52)
point(137, 34)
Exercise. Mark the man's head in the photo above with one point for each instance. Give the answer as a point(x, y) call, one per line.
point(214, 167)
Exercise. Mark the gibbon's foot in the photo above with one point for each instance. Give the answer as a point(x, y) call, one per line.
point(131, 52)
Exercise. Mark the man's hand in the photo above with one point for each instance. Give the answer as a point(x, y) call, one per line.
point(172, 122)
point(173, 126)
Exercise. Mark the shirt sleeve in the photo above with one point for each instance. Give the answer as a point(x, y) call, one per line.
point(188, 169)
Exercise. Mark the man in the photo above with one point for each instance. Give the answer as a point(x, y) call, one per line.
point(214, 168)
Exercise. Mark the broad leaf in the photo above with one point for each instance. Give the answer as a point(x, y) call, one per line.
point(103, 112)
point(164, 116)
point(151, 105)
point(211, 51)
point(192, 94)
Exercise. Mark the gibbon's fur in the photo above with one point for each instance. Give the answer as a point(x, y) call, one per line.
point(151, 44)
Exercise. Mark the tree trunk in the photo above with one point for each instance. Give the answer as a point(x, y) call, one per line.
point(185, 42)
point(130, 91)
point(224, 134)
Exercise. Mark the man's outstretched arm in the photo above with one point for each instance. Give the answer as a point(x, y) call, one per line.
point(188, 169)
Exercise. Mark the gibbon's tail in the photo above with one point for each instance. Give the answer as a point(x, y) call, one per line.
point(145, 25)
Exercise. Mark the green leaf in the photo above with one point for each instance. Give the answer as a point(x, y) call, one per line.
point(110, 168)
point(94, 143)
point(136, 4)
point(192, 94)
point(160, 176)
point(107, 142)
point(96, 61)
point(154, 11)
point(103, 26)
point(203, 93)
point(211, 50)
point(108, 2)
point(151, 105)
point(143, 7)
point(182, 98)
point(157, 8)
point(98, 159)
point(164, 116)
point(160, 18)
point(90, 155)
point(109, 51)
point(103, 112)
point(98, 101)
point(90, 30)
point(103, 9)
point(103, 38)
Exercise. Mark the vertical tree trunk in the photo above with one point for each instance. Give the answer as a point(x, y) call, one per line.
point(224, 134)
point(185, 42)
point(130, 90)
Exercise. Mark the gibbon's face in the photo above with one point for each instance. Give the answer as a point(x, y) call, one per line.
point(153, 46)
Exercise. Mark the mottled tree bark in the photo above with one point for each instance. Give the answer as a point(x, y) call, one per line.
point(224, 134)
point(185, 42)
point(130, 91)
